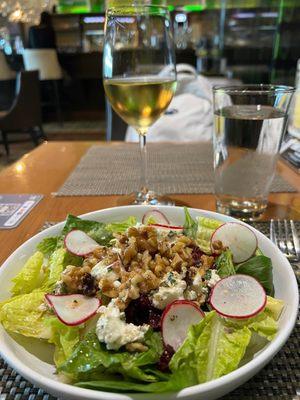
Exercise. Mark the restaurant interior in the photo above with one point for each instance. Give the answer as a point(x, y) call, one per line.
point(225, 41)
point(149, 199)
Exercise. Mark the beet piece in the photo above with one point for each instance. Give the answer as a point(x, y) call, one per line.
point(165, 358)
point(196, 255)
point(141, 311)
point(89, 286)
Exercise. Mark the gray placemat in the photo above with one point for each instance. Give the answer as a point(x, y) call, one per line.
point(279, 380)
point(172, 168)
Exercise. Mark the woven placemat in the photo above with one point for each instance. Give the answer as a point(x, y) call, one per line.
point(279, 380)
point(172, 168)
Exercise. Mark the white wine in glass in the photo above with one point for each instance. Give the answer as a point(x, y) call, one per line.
point(139, 74)
point(140, 100)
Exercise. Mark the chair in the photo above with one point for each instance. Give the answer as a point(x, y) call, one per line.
point(7, 83)
point(25, 113)
point(6, 73)
point(46, 62)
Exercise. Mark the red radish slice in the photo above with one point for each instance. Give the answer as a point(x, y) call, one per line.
point(73, 309)
point(79, 243)
point(240, 239)
point(169, 228)
point(238, 296)
point(155, 215)
point(176, 320)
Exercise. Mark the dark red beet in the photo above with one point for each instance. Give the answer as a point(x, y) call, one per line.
point(163, 364)
point(141, 311)
point(196, 254)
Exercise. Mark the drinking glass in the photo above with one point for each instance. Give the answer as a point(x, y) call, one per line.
point(139, 73)
point(249, 122)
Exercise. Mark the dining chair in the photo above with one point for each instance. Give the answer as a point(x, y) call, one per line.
point(50, 71)
point(7, 83)
point(25, 113)
point(6, 73)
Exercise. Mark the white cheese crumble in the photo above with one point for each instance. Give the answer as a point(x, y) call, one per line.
point(101, 270)
point(112, 329)
point(214, 278)
point(172, 288)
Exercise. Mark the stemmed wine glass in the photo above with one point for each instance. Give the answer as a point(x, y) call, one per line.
point(139, 73)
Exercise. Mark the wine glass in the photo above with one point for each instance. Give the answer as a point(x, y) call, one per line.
point(139, 73)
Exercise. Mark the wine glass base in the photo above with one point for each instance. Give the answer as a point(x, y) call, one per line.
point(148, 198)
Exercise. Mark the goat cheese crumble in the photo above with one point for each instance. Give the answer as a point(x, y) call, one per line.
point(214, 278)
point(112, 329)
point(172, 288)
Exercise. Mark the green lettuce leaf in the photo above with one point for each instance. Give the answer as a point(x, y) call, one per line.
point(265, 323)
point(96, 230)
point(30, 276)
point(219, 349)
point(224, 264)
point(260, 267)
point(65, 338)
point(91, 358)
point(212, 349)
point(119, 385)
point(205, 228)
point(22, 314)
point(274, 307)
point(121, 226)
point(183, 364)
point(58, 261)
point(48, 245)
point(190, 226)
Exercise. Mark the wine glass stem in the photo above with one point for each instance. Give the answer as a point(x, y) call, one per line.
point(143, 148)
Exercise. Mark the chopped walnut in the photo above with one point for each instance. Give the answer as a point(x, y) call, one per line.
point(79, 280)
point(217, 247)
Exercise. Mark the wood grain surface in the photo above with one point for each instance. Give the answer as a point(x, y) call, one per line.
point(45, 169)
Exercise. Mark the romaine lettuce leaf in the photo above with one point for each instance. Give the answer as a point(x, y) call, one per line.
point(260, 267)
point(212, 349)
point(264, 323)
point(58, 261)
point(30, 276)
point(96, 230)
point(119, 385)
point(274, 307)
point(64, 337)
point(91, 358)
point(183, 364)
point(219, 349)
point(206, 227)
point(121, 226)
point(22, 314)
point(224, 264)
point(190, 226)
point(48, 245)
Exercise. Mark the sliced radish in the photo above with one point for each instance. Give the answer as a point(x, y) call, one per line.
point(73, 309)
point(240, 239)
point(79, 243)
point(168, 228)
point(238, 296)
point(176, 320)
point(155, 215)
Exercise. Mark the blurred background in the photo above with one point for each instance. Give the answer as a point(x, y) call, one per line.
point(226, 41)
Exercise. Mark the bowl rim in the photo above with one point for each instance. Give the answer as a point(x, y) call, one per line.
point(258, 362)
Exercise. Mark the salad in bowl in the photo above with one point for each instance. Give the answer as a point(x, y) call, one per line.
point(146, 305)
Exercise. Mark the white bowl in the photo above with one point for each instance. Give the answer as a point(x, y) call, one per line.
point(33, 361)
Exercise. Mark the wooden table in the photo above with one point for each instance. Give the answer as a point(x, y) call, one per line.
point(45, 169)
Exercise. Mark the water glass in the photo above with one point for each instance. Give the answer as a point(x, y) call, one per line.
point(249, 123)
